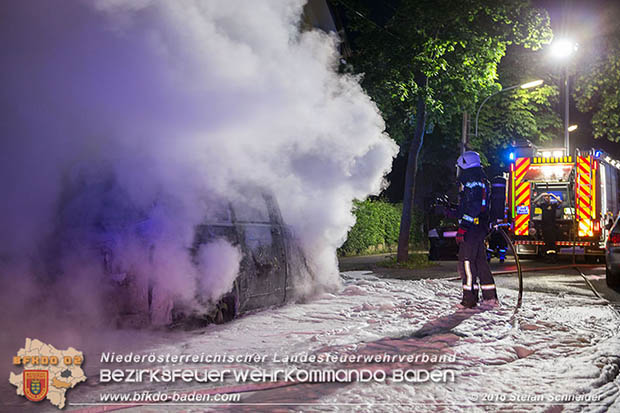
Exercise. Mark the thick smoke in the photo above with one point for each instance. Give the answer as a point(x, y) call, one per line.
point(122, 121)
point(217, 267)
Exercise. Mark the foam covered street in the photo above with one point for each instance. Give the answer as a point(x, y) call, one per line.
point(559, 352)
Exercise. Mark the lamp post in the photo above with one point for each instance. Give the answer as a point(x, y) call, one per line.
point(527, 85)
point(561, 49)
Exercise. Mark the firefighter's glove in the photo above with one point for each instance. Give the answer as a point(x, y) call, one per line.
point(460, 235)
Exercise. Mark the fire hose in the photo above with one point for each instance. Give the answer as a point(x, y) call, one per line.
point(499, 228)
point(517, 262)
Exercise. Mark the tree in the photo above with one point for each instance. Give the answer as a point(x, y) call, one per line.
point(429, 60)
point(597, 85)
point(519, 114)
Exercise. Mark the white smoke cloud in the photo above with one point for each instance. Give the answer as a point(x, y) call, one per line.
point(219, 265)
point(148, 109)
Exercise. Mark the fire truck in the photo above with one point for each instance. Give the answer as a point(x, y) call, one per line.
point(587, 184)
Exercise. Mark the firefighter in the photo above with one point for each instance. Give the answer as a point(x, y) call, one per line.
point(609, 220)
point(473, 217)
point(497, 247)
point(549, 226)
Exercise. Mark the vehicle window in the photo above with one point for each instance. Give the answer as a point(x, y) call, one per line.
point(218, 211)
point(252, 209)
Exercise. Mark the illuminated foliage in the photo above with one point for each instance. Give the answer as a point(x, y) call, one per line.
point(597, 84)
point(518, 114)
point(456, 45)
point(426, 61)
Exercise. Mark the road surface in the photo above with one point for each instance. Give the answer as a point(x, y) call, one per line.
point(558, 353)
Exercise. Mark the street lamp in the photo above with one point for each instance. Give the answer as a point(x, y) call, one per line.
point(527, 85)
point(572, 128)
point(561, 49)
point(531, 84)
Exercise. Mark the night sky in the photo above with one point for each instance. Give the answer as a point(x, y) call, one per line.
point(582, 21)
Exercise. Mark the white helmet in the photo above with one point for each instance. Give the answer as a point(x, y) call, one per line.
point(468, 159)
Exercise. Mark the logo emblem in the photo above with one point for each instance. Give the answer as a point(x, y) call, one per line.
point(36, 384)
point(523, 210)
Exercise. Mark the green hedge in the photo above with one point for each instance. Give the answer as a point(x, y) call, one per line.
point(377, 226)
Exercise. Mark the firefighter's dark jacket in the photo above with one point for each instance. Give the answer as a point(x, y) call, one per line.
point(474, 199)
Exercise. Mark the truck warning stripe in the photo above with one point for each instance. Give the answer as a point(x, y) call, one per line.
point(585, 228)
point(520, 219)
point(584, 181)
point(583, 167)
point(521, 161)
point(584, 172)
point(524, 199)
point(523, 191)
point(583, 214)
point(522, 165)
point(523, 230)
point(584, 159)
point(521, 224)
point(523, 186)
point(584, 204)
point(583, 194)
point(521, 169)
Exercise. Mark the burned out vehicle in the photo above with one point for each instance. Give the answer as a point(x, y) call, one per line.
point(98, 216)
point(272, 262)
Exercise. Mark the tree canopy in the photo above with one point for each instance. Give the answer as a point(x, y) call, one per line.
point(597, 85)
point(426, 61)
point(457, 45)
point(521, 113)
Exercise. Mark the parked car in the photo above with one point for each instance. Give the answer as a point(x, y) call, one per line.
point(442, 240)
point(612, 255)
point(442, 231)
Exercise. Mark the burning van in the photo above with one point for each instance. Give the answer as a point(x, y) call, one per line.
point(242, 256)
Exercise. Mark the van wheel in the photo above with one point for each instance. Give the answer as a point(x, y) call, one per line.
point(226, 309)
point(612, 278)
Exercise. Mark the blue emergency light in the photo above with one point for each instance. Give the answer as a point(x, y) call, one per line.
point(511, 156)
point(597, 154)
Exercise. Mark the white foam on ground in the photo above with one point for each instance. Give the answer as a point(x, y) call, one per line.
point(555, 346)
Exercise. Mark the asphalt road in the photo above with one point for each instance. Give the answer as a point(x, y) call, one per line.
point(538, 275)
point(561, 277)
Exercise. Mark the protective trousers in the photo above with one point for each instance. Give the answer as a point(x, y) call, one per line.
point(549, 233)
point(474, 268)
